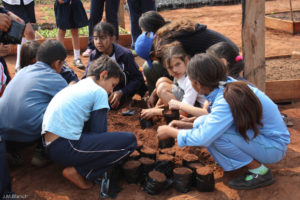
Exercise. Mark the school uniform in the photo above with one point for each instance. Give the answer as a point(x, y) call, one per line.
point(24, 108)
point(133, 81)
point(96, 13)
point(183, 90)
point(22, 8)
point(78, 115)
point(217, 132)
point(136, 9)
point(70, 14)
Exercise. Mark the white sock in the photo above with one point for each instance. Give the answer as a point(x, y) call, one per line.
point(17, 67)
point(76, 54)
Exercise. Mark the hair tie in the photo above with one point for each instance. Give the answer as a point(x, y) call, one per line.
point(222, 84)
point(238, 58)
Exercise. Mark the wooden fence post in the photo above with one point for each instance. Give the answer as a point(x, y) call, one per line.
point(253, 41)
point(121, 18)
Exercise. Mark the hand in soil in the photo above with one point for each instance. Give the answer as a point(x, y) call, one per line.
point(164, 132)
point(114, 99)
point(181, 124)
point(72, 175)
point(150, 112)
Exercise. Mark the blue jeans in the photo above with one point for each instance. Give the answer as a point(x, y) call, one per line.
point(136, 9)
point(93, 153)
point(96, 12)
point(5, 183)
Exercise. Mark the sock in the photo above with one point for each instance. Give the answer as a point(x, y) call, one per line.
point(260, 170)
point(76, 54)
point(17, 67)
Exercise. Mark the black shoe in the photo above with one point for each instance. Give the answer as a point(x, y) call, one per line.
point(77, 63)
point(40, 159)
point(256, 181)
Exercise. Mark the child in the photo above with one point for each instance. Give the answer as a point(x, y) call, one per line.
point(24, 108)
point(244, 127)
point(231, 58)
point(175, 61)
point(28, 57)
point(4, 74)
point(70, 14)
point(133, 81)
point(75, 126)
point(230, 55)
point(96, 13)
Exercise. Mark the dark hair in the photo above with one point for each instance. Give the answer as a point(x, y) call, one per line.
point(169, 32)
point(245, 106)
point(50, 51)
point(229, 53)
point(105, 63)
point(207, 69)
point(105, 28)
point(173, 50)
point(28, 53)
point(151, 21)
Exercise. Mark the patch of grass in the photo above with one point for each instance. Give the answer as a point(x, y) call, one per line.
point(84, 31)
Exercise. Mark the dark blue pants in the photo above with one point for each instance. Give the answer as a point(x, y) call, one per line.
point(93, 153)
point(96, 12)
point(5, 184)
point(136, 9)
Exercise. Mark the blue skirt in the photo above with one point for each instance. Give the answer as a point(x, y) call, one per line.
point(25, 12)
point(70, 15)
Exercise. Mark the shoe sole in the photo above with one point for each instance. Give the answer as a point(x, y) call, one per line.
point(269, 182)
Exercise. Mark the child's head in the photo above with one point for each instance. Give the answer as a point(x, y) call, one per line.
point(104, 35)
point(28, 53)
point(106, 72)
point(151, 21)
point(234, 61)
point(206, 71)
point(175, 59)
point(53, 53)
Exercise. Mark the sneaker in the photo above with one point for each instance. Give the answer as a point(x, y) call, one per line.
point(250, 181)
point(87, 53)
point(40, 159)
point(77, 63)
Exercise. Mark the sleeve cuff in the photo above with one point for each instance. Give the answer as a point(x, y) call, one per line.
point(181, 138)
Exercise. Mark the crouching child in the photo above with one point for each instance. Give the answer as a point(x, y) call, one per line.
point(75, 126)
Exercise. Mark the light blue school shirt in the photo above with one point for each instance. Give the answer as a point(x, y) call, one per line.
point(72, 107)
point(25, 100)
point(206, 129)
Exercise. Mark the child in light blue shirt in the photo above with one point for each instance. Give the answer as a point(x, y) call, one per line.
point(244, 127)
point(75, 126)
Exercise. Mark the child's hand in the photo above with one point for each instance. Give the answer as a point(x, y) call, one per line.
point(115, 98)
point(4, 49)
point(164, 132)
point(150, 112)
point(152, 99)
point(5, 22)
point(180, 124)
point(174, 104)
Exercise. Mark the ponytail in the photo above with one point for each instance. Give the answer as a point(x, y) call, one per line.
point(245, 107)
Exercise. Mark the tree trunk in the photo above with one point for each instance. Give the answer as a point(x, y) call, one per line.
point(253, 41)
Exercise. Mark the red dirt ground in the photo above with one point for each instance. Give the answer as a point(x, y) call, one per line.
point(48, 183)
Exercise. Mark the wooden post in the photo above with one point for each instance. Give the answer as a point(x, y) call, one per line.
point(253, 41)
point(121, 18)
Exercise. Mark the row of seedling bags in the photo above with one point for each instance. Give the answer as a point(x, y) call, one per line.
point(176, 4)
point(156, 173)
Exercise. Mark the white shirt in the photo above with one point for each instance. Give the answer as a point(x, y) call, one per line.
point(190, 95)
point(17, 2)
